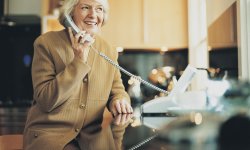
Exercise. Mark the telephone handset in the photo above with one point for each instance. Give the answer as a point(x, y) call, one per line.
point(68, 22)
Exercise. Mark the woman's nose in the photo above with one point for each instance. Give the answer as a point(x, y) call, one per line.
point(92, 12)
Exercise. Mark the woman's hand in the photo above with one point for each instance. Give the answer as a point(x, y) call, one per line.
point(120, 107)
point(80, 44)
point(122, 119)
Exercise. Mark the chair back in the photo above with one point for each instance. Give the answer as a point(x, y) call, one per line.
point(11, 142)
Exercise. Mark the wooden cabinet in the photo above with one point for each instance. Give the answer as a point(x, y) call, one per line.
point(124, 26)
point(166, 23)
point(147, 24)
point(141, 24)
point(223, 32)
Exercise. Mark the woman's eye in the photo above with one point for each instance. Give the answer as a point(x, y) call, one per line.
point(85, 8)
point(99, 9)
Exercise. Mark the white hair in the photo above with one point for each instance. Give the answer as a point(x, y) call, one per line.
point(69, 5)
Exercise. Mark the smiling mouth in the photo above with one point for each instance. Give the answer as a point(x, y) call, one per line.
point(90, 23)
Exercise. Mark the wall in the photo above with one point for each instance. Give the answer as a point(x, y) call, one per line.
point(31, 7)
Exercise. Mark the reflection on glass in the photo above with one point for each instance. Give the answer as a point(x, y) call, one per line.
point(104, 138)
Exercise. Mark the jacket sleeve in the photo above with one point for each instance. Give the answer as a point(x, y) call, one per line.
point(51, 89)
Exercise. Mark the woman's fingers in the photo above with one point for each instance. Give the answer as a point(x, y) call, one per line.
point(121, 107)
point(118, 107)
point(122, 119)
point(71, 35)
point(129, 109)
point(77, 39)
point(79, 44)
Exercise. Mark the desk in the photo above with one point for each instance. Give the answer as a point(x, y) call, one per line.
point(194, 130)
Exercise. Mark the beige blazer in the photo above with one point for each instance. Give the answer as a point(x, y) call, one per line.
point(69, 95)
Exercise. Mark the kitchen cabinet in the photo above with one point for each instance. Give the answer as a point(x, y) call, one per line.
point(166, 23)
point(223, 32)
point(124, 26)
point(147, 24)
point(142, 24)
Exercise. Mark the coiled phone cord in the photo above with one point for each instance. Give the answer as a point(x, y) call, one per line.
point(143, 142)
point(128, 73)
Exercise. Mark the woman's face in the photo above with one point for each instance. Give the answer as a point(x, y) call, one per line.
point(88, 15)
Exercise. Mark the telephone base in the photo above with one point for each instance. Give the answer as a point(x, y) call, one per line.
point(184, 102)
point(156, 122)
point(158, 105)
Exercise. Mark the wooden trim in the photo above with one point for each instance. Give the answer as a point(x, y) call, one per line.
point(45, 7)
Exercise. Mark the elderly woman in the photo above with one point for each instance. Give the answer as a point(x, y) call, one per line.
point(72, 83)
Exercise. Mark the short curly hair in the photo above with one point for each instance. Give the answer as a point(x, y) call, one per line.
point(68, 7)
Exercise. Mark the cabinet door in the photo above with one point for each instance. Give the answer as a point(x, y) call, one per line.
point(223, 32)
point(124, 26)
point(147, 23)
point(166, 23)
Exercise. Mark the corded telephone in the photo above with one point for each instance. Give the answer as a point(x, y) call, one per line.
point(150, 106)
point(68, 22)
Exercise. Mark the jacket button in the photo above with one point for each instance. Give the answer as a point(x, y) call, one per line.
point(76, 130)
point(85, 79)
point(35, 135)
point(82, 106)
